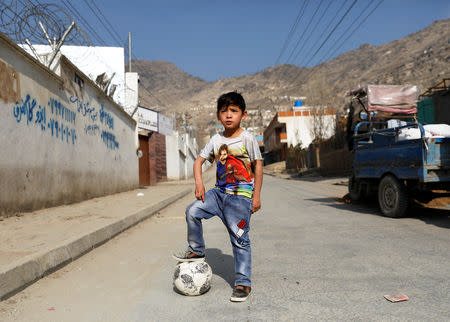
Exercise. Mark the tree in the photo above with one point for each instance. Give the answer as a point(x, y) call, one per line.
point(320, 98)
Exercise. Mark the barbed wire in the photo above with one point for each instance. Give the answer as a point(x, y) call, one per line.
point(21, 19)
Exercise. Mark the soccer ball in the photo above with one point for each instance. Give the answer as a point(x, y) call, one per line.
point(192, 278)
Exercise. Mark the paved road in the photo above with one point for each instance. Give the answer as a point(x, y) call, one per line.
point(314, 259)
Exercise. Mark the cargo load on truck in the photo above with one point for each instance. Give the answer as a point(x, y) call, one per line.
point(395, 156)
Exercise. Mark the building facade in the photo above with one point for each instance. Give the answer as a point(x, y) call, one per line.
point(298, 128)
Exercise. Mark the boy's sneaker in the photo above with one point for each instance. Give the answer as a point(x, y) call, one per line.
point(188, 256)
point(240, 293)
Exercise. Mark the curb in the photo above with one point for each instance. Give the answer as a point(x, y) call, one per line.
point(17, 278)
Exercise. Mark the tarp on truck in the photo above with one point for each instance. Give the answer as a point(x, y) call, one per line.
point(388, 98)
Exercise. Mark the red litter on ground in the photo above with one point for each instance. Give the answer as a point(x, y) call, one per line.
point(51, 309)
point(396, 298)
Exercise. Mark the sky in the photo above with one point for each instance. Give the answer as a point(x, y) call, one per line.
point(215, 39)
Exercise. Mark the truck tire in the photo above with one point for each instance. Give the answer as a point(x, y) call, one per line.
point(354, 188)
point(392, 197)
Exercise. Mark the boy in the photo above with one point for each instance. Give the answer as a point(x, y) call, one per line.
point(236, 194)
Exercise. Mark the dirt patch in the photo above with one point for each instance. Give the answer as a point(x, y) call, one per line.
point(441, 199)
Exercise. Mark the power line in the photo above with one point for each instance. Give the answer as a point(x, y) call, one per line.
point(101, 21)
point(291, 31)
point(324, 31)
point(304, 31)
point(312, 31)
point(152, 95)
point(332, 31)
point(314, 28)
point(116, 37)
point(107, 21)
point(346, 30)
point(75, 12)
point(357, 27)
point(326, 39)
point(345, 40)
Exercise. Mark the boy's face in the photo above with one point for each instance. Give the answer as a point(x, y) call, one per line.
point(231, 117)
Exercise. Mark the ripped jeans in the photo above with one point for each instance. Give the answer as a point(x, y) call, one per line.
point(235, 212)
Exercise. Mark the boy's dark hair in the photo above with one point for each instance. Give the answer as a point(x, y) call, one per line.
point(231, 98)
point(224, 147)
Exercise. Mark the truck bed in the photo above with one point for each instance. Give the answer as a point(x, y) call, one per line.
point(380, 151)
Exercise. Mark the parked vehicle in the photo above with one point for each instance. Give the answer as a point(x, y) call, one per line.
point(396, 168)
point(396, 160)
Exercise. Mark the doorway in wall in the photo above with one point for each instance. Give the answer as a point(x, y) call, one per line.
point(144, 162)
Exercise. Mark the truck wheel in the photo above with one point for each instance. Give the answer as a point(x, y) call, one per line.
point(354, 188)
point(392, 197)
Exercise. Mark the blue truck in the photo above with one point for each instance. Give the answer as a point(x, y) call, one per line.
point(395, 156)
point(396, 169)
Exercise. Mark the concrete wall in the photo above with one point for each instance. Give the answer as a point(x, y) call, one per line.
point(172, 157)
point(63, 139)
point(181, 152)
point(131, 93)
point(300, 128)
point(93, 61)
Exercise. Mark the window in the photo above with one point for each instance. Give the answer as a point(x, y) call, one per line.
point(79, 80)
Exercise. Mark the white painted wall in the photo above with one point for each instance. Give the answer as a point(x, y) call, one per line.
point(182, 165)
point(181, 152)
point(131, 93)
point(172, 157)
point(60, 143)
point(93, 61)
point(191, 155)
point(299, 128)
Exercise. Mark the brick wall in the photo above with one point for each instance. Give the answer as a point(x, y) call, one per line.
point(157, 152)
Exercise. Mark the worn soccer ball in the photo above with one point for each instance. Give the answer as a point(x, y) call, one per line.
point(192, 278)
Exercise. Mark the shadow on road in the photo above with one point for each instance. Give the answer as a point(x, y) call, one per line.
point(221, 264)
point(431, 216)
point(339, 180)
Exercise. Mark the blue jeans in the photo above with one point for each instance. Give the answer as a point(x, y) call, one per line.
point(235, 212)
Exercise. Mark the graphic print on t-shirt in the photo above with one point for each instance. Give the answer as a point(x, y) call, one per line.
point(230, 169)
point(234, 157)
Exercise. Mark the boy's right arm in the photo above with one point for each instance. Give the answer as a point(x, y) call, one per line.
point(199, 186)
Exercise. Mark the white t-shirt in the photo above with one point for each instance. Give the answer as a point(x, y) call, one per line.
point(234, 157)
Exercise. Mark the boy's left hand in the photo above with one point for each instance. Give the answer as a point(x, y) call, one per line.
point(256, 204)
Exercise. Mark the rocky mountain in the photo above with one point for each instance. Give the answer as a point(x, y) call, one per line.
point(163, 84)
point(421, 58)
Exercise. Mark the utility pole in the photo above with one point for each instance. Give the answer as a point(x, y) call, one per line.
point(129, 51)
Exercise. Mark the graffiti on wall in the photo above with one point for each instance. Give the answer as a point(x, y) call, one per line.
point(59, 120)
point(106, 118)
point(110, 140)
point(58, 123)
point(84, 108)
point(60, 110)
point(97, 115)
point(92, 130)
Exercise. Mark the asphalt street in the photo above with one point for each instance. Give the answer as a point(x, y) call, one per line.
point(314, 258)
